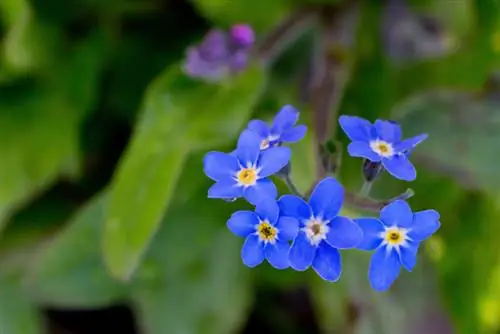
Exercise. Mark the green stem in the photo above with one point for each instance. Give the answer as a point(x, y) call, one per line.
point(291, 186)
point(365, 190)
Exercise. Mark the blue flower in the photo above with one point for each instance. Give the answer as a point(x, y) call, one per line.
point(281, 130)
point(244, 172)
point(381, 142)
point(321, 232)
point(267, 234)
point(220, 54)
point(395, 239)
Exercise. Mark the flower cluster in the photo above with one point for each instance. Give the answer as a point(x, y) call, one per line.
point(220, 53)
point(294, 232)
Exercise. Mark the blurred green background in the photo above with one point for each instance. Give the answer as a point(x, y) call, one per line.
point(104, 222)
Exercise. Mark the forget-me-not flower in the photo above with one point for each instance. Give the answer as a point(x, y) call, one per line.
point(267, 234)
point(322, 232)
point(395, 238)
point(381, 142)
point(283, 128)
point(245, 171)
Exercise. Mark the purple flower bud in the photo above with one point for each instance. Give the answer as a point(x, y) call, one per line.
point(220, 53)
point(242, 35)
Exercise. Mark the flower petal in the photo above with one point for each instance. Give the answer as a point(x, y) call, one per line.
point(425, 224)
point(252, 252)
point(267, 209)
point(277, 254)
point(288, 228)
point(263, 188)
point(344, 233)
point(218, 165)
point(294, 134)
point(410, 143)
point(327, 263)
point(389, 131)
point(361, 149)
point(259, 127)
point(272, 160)
point(384, 269)
point(400, 167)
point(356, 128)
point(327, 198)
point(371, 228)
point(408, 255)
point(225, 189)
point(294, 206)
point(248, 148)
point(243, 223)
point(286, 118)
point(397, 213)
point(302, 253)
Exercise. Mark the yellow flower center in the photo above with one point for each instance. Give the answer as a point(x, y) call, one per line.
point(247, 176)
point(267, 232)
point(382, 148)
point(394, 236)
point(315, 230)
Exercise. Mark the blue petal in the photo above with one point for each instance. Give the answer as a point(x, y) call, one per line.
point(344, 233)
point(288, 228)
point(259, 127)
point(397, 213)
point(267, 209)
point(356, 128)
point(425, 224)
point(327, 198)
point(410, 143)
point(384, 269)
point(389, 131)
point(248, 148)
point(302, 253)
point(361, 149)
point(225, 189)
point(327, 263)
point(294, 206)
point(371, 228)
point(243, 223)
point(252, 252)
point(400, 167)
point(294, 134)
point(408, 255)
point(218, 165)
point(272, 160)
point(286, 118)
point(263, 188)
point(277, 254)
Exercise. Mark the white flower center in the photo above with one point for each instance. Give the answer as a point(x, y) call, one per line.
point(382, 148)
point(316, 230)
point(266, 143)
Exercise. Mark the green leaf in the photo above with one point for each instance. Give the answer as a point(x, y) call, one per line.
point(34, 155)
point(69, 271)
point(226, 13)
point(462, 131)
point(192, 279)
point(18, 315)
point(179, 114)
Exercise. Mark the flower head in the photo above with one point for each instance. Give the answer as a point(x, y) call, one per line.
point(322, 232)
point(220, 53)
point(381, 142)
point(244, 172)
point(267, 234)
point(282, 129)
point(395, 237)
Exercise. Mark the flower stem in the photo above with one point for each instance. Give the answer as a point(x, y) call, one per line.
point(291, 186)
point(365, 189)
